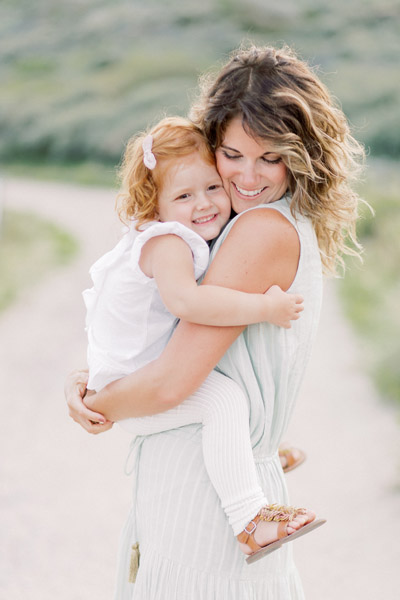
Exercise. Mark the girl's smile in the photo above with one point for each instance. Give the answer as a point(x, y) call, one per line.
point(252, 172)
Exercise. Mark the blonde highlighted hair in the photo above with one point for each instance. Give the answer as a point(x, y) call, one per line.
point(173, 138)
point(282, 101)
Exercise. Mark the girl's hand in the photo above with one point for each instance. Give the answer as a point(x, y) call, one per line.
point(284, 307)
point(75, 391)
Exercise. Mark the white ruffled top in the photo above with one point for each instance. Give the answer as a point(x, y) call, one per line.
point(127, 323)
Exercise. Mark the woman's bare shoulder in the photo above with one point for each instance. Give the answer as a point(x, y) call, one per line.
point(262, 242)
point(262, 220)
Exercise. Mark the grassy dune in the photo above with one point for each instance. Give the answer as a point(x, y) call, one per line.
point(78, 78)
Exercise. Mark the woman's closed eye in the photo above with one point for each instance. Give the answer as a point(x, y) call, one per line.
point(231, 156)
point(271, 161)
point(265, 159)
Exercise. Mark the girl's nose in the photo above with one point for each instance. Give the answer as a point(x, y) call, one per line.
point(203, 202)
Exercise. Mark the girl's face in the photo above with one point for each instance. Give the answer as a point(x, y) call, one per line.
point(251, 172)
point(192, 194)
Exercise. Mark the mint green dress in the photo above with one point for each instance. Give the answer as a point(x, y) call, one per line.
point(188, 551)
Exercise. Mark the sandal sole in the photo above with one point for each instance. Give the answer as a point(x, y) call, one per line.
point(279, 543)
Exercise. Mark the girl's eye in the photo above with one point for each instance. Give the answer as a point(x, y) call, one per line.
point(214, 186)
point(182, 197)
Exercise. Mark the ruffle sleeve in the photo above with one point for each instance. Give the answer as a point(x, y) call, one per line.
point(198, 246)
point(128, 250)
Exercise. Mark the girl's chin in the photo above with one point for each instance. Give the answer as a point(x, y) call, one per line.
point(208, 233)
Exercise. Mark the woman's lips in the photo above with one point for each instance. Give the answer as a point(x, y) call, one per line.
point(248, 193)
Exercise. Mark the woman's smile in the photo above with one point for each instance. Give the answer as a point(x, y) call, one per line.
point(249, 193)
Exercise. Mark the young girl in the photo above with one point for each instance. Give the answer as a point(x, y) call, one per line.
point(174, 201)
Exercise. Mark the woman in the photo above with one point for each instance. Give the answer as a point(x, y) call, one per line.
point(284, 151)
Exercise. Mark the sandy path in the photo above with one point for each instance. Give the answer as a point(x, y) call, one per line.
point(63, 494)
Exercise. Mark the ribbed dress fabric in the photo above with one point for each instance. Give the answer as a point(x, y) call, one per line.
point(221, 407)
point(188, 550)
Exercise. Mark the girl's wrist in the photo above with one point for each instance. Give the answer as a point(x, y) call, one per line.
point(266, 307)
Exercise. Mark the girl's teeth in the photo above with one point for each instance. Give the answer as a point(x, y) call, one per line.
point(204, 220)
point(248, 192)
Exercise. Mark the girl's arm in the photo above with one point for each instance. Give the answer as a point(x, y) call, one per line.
point(271, 255)
point(169, 260)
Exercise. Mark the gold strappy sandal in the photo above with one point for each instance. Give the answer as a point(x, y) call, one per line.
point(283, 515)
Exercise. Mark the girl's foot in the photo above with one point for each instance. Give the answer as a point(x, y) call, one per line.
point(273, 526)
point(290, 457)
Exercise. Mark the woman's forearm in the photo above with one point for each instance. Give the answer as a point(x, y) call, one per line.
point(139, 394)
point(167, 381)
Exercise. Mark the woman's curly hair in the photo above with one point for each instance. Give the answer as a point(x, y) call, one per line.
point(173, 138)
point(282, 101)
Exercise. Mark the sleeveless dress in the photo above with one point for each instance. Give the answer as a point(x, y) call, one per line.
point(188, 551)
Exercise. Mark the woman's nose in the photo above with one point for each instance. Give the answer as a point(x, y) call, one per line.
point(249, 174)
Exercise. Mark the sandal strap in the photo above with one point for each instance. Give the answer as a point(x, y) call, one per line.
point(271, 512)
point(278, 512)
point(247, 535)
point(282, 530)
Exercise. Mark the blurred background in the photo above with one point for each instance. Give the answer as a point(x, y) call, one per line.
point(79, 77)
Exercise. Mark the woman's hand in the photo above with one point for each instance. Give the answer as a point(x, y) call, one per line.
point(75, 392)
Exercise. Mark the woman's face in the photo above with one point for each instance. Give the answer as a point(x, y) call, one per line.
point(251, 172)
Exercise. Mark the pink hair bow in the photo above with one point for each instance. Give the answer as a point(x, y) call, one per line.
point(148, 157)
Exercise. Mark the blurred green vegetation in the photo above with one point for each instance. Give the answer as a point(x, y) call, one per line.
point(85, 173)
point(79, 77)
point(29, 248)
point(371, 292)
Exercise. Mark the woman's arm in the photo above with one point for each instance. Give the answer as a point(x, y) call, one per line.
point(169, 260)
point(262, 249)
